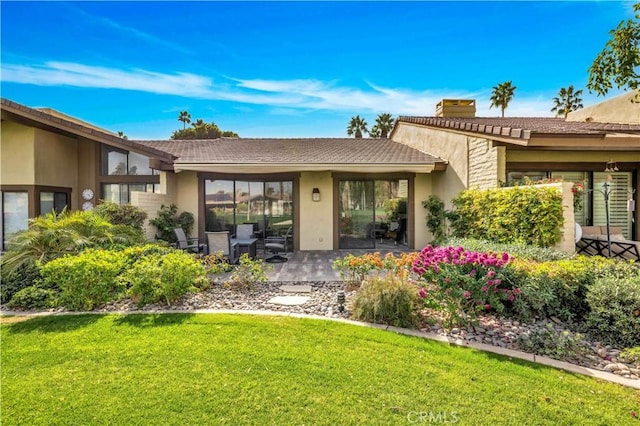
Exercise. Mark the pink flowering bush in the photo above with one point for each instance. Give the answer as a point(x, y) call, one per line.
point(460, 283)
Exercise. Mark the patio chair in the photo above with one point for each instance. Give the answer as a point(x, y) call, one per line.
point(244, 232)
point(187, 244)
point(277, 245)
point(221, 241)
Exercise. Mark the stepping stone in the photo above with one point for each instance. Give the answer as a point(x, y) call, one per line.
point(296, 288)
point(289, 300)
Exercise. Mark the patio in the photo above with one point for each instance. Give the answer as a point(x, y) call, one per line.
point(310, 266)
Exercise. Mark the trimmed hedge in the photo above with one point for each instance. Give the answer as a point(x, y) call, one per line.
point(529, 215)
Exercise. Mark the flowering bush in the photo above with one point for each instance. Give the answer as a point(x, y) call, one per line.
point(354, 269)
point(461, 283)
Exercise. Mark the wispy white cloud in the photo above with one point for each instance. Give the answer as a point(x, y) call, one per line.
point(134, 32)
point(282, 95)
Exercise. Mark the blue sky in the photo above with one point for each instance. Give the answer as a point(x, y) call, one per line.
point(293, 69)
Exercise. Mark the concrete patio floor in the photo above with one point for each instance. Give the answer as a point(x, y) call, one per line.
point(306, 266)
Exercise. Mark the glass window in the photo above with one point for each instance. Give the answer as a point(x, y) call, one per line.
point(620, 187)
point(581, 215)
point(52, 201)
point(266, 205)
point(117, 162)
point(15, 213)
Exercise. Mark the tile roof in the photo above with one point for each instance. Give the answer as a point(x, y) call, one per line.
point(523, 127)
point(292, 151)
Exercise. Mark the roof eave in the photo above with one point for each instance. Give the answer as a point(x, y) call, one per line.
point(306, 167)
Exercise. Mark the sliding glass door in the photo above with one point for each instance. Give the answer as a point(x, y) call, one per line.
point(372, 213)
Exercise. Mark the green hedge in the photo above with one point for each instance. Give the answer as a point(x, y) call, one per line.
point(530, 215)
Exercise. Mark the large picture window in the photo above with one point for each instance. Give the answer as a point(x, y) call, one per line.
point(268, 205)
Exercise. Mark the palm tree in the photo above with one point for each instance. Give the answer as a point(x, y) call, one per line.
point(198, 123)
point(567, 101)
point(502, 95)
point(185, 117)
point(375, 131)
point(357, 125)
point(384, 123)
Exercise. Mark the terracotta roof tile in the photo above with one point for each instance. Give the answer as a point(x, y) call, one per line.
point(292, 151)
point(523, 127)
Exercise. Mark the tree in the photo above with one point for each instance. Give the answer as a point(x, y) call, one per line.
point(357, 126)
point(567, 101)
point(375, 132)
point(185, 117)
point(619, 61)
point(502, 95)
point(384, 123)
point(122, 135)
point(201, 130)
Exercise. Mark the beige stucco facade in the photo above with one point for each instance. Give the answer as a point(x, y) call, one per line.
point(316, 222)
point(17, 151)
point(621, 109)
point(473, 162)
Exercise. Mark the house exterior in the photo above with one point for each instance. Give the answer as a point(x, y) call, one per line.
point(334, 193)
point(490, 152)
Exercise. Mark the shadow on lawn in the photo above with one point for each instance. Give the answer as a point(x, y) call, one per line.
point(152, 320)
point(52, 323)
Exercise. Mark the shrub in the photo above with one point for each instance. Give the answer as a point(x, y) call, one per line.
point(517, 250)
point(34, 297)
point(550, 342)
point(391, 300)
point(55, 235)
point(615, 310)
point(531, 215)
point(436, 218)
point(164, 278)
point(354, 269)
point(553, 288)
point(86, 280)
point(15, 280)
point(247, 273)
point(463, 282)
point(121, 214)
point(168, 219)
point(631, 355)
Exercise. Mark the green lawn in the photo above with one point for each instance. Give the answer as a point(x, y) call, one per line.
point(236, 369)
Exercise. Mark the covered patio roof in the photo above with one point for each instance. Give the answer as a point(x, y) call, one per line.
point(247, 155)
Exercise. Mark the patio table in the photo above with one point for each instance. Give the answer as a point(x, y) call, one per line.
point(247, 245)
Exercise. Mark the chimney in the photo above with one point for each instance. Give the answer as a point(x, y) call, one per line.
point(465, 108)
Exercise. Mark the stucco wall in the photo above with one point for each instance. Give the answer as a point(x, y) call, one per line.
point(422, 189)
point(473, 162)
point(316, 217)
point(17, 154)
point(56, 160)
point(620, 109)
point(186, 196)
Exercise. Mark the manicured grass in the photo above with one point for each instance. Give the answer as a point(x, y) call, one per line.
point(236, 369)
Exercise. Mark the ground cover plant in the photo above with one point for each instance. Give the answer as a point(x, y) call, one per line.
point(236, 369)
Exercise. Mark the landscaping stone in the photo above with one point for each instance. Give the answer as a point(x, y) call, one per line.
point(289, 300)
point(296, 288)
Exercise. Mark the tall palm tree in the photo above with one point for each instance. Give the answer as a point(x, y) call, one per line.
point(567, 101)
point(384, 123)
point(185, 117)
point(356, 126)
point(502, 95)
